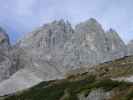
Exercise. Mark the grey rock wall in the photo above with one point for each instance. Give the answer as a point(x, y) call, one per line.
point(8, 60)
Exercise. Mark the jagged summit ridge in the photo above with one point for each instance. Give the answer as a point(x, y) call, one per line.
point(49, 35)
point(59, 43)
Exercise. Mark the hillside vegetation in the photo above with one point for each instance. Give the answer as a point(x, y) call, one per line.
point(81, 86)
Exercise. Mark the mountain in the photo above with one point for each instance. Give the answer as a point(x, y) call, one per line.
point(92, 45)
point(61, 45)
point(56, 48)
point(101, 83)
point(4, 39)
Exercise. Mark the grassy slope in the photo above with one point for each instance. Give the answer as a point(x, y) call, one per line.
point(56, 90)
point(118, 68)
point(84, 83)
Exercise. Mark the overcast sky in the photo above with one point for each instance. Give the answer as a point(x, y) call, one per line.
point(19, 17)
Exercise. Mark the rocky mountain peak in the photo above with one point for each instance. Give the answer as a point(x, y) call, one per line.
point(4, 39)
point(92, 33)
point(87, 44)
point(115, 38)
point(111, 30)
point(113, 33)
point(49, 35)
point(59, 22)
point(89, 26)
point(64, 25)
point(93, 21)
point(116, 48)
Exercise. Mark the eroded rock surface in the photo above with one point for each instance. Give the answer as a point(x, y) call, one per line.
point(66, 48)
point(8, 58)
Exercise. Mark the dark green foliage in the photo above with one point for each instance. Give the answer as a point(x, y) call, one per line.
point(55, 90)
point(108, 84)
point(129, 96)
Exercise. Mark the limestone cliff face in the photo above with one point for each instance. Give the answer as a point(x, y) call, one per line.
point(56, 48)
point(86, 46)
point(44, 48)
point(60, 45)
point(116, 48)
point(7, 59)
point(90, 45)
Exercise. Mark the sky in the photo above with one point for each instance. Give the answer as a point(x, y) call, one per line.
point(19, 17)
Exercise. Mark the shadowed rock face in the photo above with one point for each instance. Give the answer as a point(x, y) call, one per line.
point(5, 62)
point(4, 39)
point(55, 48)
point(8, 60)
point(116, 48)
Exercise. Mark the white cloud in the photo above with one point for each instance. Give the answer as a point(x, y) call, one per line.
point(24, 7)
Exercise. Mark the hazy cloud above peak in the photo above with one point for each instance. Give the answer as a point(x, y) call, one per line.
point(21, 16)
